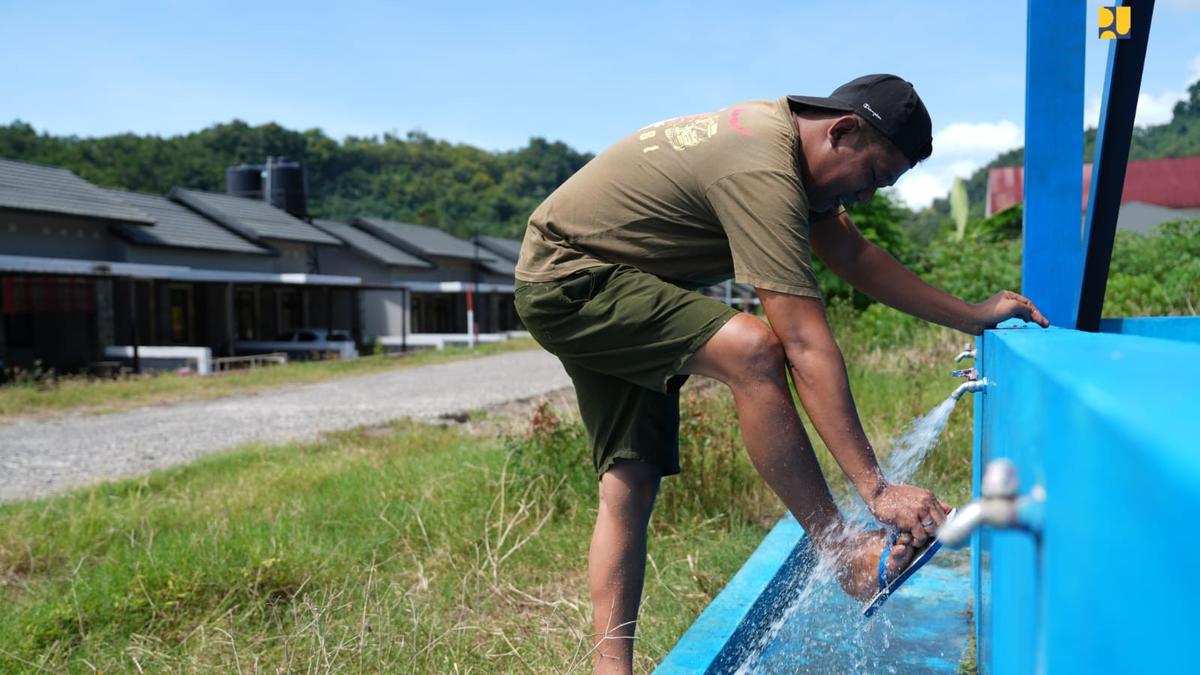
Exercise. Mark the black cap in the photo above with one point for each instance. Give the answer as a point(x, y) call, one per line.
point(889, 103)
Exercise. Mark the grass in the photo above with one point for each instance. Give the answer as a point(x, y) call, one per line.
point(412, 547)
point(92, 396)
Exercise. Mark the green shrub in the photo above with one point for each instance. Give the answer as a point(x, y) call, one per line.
point(1150, 275)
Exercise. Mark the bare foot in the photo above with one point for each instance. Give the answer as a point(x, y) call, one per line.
point(859, 558)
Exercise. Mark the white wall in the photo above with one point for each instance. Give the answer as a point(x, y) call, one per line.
point(383, 312)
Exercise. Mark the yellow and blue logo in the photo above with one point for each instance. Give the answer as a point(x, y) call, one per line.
point(1115, 23)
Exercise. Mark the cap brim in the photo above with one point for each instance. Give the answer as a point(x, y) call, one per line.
point(820, 102)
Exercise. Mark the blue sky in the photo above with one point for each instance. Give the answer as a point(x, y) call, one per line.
point(495, 74)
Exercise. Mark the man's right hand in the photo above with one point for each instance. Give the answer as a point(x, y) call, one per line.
point(909, 509)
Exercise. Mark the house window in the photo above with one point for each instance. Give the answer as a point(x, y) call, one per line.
point(434, 313)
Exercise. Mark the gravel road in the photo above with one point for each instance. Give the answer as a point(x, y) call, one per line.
point(40, 458)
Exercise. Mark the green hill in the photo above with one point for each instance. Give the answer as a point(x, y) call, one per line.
point(417, 179)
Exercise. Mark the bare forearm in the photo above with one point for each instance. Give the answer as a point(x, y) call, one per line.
point(819, 374)
point(882, 277)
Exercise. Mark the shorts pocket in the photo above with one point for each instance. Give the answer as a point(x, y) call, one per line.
point(580, 288)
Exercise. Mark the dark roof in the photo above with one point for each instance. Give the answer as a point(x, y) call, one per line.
point(178, 226)
point(507, 249)
point(254, 219)
point(423, 241)
point(32, 187)
point(501, 267)
point(361, 241)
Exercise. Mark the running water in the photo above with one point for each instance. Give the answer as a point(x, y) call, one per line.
point(922, 434)
point(822, 629)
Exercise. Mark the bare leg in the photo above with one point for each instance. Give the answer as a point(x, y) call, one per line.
point(746, 355)
point(617, 560)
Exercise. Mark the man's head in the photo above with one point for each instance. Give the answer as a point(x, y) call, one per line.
point(860, 138)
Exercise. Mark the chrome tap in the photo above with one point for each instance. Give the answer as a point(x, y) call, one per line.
point(999, 507)
point(968, 353)
point(970, 373)
point(971, 386)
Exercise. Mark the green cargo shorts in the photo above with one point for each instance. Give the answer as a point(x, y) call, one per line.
point(623, 335)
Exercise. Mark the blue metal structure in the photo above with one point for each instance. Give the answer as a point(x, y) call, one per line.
point(1122, 83)
point(1109, 431)
point(1052, 247)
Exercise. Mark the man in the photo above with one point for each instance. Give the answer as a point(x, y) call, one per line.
point(603, 283)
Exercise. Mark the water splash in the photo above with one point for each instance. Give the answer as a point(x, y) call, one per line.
point(834, 637)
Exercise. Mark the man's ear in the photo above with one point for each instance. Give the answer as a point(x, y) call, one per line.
point(846, 124)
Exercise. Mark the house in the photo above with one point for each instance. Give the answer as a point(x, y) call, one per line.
point(87, 272)
point(1156, 191)
point(384, 299)
point(468, 291)
point(58, 261)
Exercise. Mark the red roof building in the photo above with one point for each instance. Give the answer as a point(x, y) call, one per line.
point(1168, 188)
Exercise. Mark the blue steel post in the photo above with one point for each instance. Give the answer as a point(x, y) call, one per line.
point(1053, 236)
point(1121, 86)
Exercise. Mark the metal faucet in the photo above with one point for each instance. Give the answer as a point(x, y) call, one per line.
point(999, 507)
point(969, 386)
point(970, 373)
point(968, 353)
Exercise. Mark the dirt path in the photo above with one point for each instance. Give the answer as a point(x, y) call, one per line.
point(42, 457)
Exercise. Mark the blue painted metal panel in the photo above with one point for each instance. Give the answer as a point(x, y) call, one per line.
point(1122, 83)
point(1185, 328)
point(1007, 605)
point(1112, 435)
point(1053, 230)
point(747, 604)
point(981, 647)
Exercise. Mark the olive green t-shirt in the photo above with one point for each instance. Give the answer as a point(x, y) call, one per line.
point(695, 200)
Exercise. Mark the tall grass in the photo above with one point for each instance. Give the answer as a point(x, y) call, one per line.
point(406, 548)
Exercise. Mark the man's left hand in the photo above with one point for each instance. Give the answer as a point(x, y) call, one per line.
point(1001, 307)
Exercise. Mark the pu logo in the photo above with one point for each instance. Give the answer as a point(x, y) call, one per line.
point(1115, 22)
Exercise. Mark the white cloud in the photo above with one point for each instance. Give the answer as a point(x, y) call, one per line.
point(967, 138)
point(920, 187)
point(1091, 112)
point(932, 179)
point(959, 149)
point(1151, 108)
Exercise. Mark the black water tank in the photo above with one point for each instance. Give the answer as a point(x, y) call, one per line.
point(285, 186)
point(244, 180)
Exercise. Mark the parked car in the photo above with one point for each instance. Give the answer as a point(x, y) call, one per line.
point(304, 343)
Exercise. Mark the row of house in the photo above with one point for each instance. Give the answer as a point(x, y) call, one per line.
point(85, 269)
